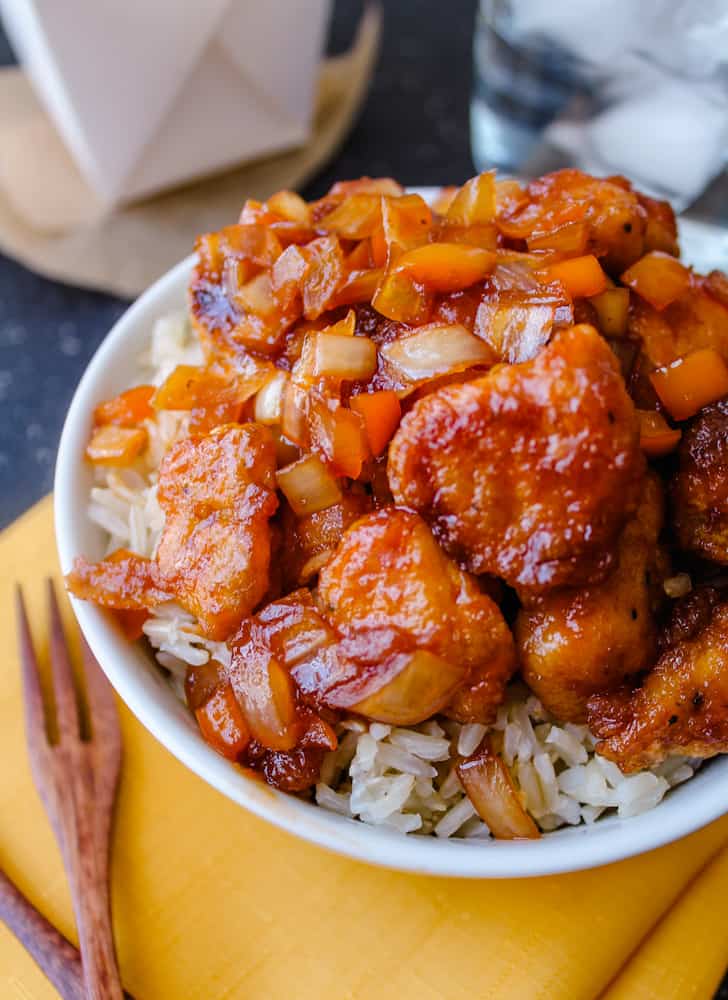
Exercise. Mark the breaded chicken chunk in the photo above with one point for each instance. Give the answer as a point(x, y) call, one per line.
point(700, 486)
point(681, 708)
point(576, 642)
point(615, 222)
point(218, 493)
point(530, 472)
point(415, 633)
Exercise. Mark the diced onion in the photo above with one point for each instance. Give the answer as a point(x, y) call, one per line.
point(474, 203)
point(256, 295)
point(269, 400)
point(112, 445)
point(424, 686)
point(571, 238)
point(436, 349)
point(355, 218)
point(290, 206)
point(489, 787)
point(344, 356)
point(265, 692)
point(308, 485)
point(222, 723)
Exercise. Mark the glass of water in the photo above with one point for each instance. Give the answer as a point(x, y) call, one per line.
point(611, 86)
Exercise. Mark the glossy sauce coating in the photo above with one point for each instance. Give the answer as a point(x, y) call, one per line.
point(615, 223)
point(218, 493)
point(389, 590)
point(574, 643)
point(681, 708)
point(530, 472)
point(700, 486)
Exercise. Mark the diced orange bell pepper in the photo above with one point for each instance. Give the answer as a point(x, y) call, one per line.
point(656, 436)
point(128, 409)
point(222, 723)
point(350, 444)
point(447, 267)
point(113, 445)
point(581, 277)
point(658, 278)
point(692, 382)
point(382, 413)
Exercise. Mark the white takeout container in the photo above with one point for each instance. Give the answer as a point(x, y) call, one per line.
point(132, 671)
point(148, 94)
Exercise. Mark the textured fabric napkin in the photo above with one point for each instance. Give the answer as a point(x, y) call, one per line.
point(53, 223)
point(210, 902)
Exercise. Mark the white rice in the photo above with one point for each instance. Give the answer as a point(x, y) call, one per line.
point(399, 778)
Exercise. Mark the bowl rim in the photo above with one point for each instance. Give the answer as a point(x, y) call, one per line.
point(684, 810)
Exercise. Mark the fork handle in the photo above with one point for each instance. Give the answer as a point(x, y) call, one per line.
point(54, 955)
point(86, 860)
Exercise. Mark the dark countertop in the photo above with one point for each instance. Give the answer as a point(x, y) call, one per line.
point(414, 127)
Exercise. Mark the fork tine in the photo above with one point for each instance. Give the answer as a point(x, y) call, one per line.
point(35, 721)
point(63, 685)
point(100, 694)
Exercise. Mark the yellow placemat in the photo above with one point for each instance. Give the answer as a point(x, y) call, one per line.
point(211, 903)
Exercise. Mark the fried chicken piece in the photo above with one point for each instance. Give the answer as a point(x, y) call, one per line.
point(614, 220)
point(690, 614)
point(310, 541)
point(124, 581)
point(530, 472)
point(397, 603)
point(697, 319)
point(700, 486)
point(576, 642)
point(681, 708)
point(218, 493)
point(661, 232)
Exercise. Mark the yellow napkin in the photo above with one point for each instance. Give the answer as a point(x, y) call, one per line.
point(211, 903)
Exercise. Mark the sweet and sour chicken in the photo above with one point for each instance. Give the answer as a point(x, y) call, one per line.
point(430, 446)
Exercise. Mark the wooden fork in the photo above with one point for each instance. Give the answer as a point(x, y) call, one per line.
point(77, 780)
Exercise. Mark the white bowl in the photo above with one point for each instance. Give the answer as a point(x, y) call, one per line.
point(133, 673)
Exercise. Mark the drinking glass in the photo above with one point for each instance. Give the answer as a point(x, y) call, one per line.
point(612, 86)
